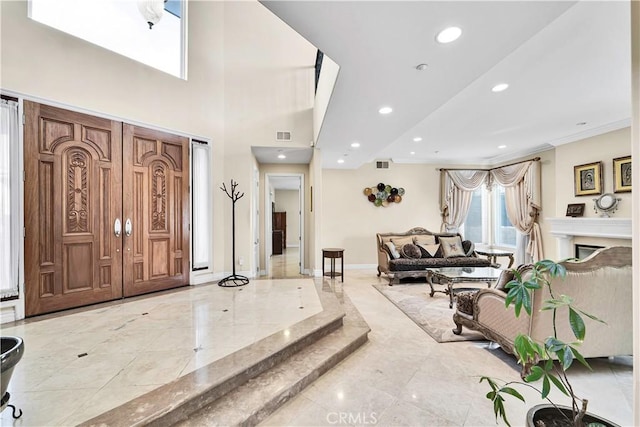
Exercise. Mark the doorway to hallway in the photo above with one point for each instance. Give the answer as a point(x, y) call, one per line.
point(284, 225)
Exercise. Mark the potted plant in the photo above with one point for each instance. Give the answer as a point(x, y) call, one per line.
point(530, 352)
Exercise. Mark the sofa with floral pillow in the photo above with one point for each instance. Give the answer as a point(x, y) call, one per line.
point(409, 254)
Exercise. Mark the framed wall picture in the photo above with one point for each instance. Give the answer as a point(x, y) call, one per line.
point(622, 174)
point(588, 179)
point(575, 209)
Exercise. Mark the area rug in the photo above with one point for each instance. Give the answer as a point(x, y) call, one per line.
point(433, 315)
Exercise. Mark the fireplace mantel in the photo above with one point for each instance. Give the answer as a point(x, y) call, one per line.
point(565, 229)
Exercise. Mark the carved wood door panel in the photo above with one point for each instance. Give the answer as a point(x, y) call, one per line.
point(156, 205)
point(73, 179)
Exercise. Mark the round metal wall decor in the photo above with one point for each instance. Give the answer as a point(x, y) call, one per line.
point(384, 194)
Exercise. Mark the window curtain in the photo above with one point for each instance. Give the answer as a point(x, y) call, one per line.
point(522, 197)
point(457, 187)
point(9, 243)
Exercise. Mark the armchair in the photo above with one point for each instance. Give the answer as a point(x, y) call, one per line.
point(600, 284)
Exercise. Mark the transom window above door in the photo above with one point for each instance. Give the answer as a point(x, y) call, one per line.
point(119, 26)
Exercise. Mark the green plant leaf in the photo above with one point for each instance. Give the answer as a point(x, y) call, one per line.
point(554, 269)
point(527, 349)
point(567, 358)
point(592, 317)
point(531, 284)
point(553, 345)
point(512, 391)
point(580, 358)
point(535, 375)
point(546, 387)
point(577, 324)
point(558, 384)
point(552, 304)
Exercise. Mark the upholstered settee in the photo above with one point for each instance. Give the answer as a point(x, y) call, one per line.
point(600, 285)
point(409, 254)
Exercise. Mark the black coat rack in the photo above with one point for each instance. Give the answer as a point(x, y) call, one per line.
point(234, 279)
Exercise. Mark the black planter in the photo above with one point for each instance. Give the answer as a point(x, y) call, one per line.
point(552, 418)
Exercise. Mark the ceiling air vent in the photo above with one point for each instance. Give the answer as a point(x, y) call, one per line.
point(382, 164)
point(283, 136)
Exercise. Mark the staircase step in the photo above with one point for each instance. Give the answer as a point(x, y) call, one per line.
point(259, 362)
point(259, 397)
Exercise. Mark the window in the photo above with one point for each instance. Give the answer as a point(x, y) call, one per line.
point(119, 26)
point(504, 233)
point(201, 205)
point(9, 199)
point(487, 221)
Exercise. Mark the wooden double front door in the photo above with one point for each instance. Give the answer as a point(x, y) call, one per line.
point(106, 209)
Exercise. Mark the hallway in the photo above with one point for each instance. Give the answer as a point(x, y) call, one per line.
point(286, 265)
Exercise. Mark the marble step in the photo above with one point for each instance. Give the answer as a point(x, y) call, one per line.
point(188, 394)
point(255, 400)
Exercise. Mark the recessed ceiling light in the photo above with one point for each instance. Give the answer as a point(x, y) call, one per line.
point(340, 160)
point(581, 123)
point(282, 156)
point(417, 139)
point(355, 144)
point(421, 67)
point(499, 87)
point(502, 146)
point(385, 110)
point(412, 153)
point(448, 35)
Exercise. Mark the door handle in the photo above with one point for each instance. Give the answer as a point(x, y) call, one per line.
point(117, 227)
point(128, 227)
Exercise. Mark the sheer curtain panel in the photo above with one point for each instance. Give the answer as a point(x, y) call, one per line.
point(457, 187)
point(9, 205)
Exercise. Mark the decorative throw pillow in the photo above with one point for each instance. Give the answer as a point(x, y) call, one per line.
point(469, 247)
point(411, 251)
point(429, 251)
point(451, 247)
point(425, 239)
point(401, 241)
point(392, 250)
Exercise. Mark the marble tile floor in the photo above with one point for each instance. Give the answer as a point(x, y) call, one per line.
point(286, 265)
point(402, 377)
point(81, 363)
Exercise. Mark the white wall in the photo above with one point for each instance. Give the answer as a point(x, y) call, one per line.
point(602, 148)
point(249, 76)
point(288, 201)
point(351, 222)
point(268, 87)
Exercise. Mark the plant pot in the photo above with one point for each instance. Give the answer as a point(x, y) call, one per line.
point(550, 416)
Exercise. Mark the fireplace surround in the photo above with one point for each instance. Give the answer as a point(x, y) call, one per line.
point(566, 229)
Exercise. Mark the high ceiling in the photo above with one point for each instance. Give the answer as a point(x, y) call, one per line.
point(567, 64)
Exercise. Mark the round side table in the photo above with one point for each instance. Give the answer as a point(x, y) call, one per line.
point(333, 253)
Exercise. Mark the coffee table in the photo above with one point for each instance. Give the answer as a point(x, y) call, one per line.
point(451, 276)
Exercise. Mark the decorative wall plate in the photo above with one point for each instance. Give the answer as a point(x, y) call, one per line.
point(606, 203)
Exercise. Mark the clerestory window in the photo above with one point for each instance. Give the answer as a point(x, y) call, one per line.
point(119, 26)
